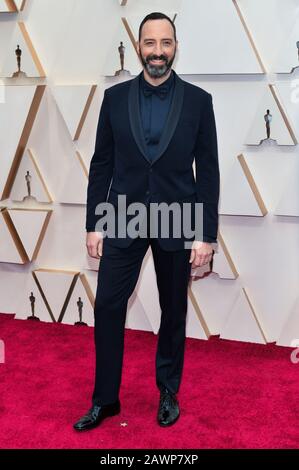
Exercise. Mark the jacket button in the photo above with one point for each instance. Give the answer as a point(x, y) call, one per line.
point(147, 192)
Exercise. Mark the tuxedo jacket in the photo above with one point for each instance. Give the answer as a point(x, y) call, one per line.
point(121, 165)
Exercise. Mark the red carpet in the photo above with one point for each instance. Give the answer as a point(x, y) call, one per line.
point(233, 395)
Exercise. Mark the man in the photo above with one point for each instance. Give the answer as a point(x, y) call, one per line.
point(149, 132)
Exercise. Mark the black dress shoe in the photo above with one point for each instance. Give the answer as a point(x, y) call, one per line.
point(169, 410)
point(95, 416)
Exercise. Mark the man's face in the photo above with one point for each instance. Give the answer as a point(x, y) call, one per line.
point(157, 47)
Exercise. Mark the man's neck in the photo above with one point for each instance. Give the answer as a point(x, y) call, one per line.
point(156, 81)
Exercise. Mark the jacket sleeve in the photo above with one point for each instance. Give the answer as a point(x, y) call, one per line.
point(207, 172)
point(101, 166)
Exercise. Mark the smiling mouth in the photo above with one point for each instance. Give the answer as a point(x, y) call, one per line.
point(156, 61)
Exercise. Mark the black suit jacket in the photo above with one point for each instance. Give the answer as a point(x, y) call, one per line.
point(120, 161)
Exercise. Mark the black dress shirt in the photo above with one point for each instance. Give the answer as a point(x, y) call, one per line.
point(155, 103)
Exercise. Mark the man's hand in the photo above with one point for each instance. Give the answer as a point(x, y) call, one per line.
point(201, 254)
point(94, 244)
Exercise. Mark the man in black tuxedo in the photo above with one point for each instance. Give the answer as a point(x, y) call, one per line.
point(150, 130)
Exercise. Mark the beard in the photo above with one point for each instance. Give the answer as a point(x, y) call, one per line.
point(157, 71)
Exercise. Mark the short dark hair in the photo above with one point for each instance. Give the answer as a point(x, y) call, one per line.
point(156, 15)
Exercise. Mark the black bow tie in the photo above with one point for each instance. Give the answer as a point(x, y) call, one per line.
point(160, 90)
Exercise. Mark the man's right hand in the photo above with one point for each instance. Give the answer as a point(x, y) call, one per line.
point(94, 244)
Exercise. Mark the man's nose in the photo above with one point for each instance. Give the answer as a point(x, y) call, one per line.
point(158, 51)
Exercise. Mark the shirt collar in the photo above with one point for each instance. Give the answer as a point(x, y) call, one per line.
point(168, 83)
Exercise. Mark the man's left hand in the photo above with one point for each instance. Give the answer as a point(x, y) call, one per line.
point(201, 253)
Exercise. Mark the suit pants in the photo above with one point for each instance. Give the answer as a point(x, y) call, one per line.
point(117, 277)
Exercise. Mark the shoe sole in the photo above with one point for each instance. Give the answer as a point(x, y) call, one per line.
point(169, 424)
point(92, 426)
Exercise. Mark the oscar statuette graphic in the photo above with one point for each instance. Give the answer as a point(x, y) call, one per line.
point(296, 66)
point(122, 71)
point(268, 120)
point(29, 197)
point(32, 303)
point(19, 72)
point(80, 308)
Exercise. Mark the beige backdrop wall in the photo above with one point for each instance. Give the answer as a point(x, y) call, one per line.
point(244, 53)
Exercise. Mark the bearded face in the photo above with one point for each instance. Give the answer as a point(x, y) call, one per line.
point(157, 47)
